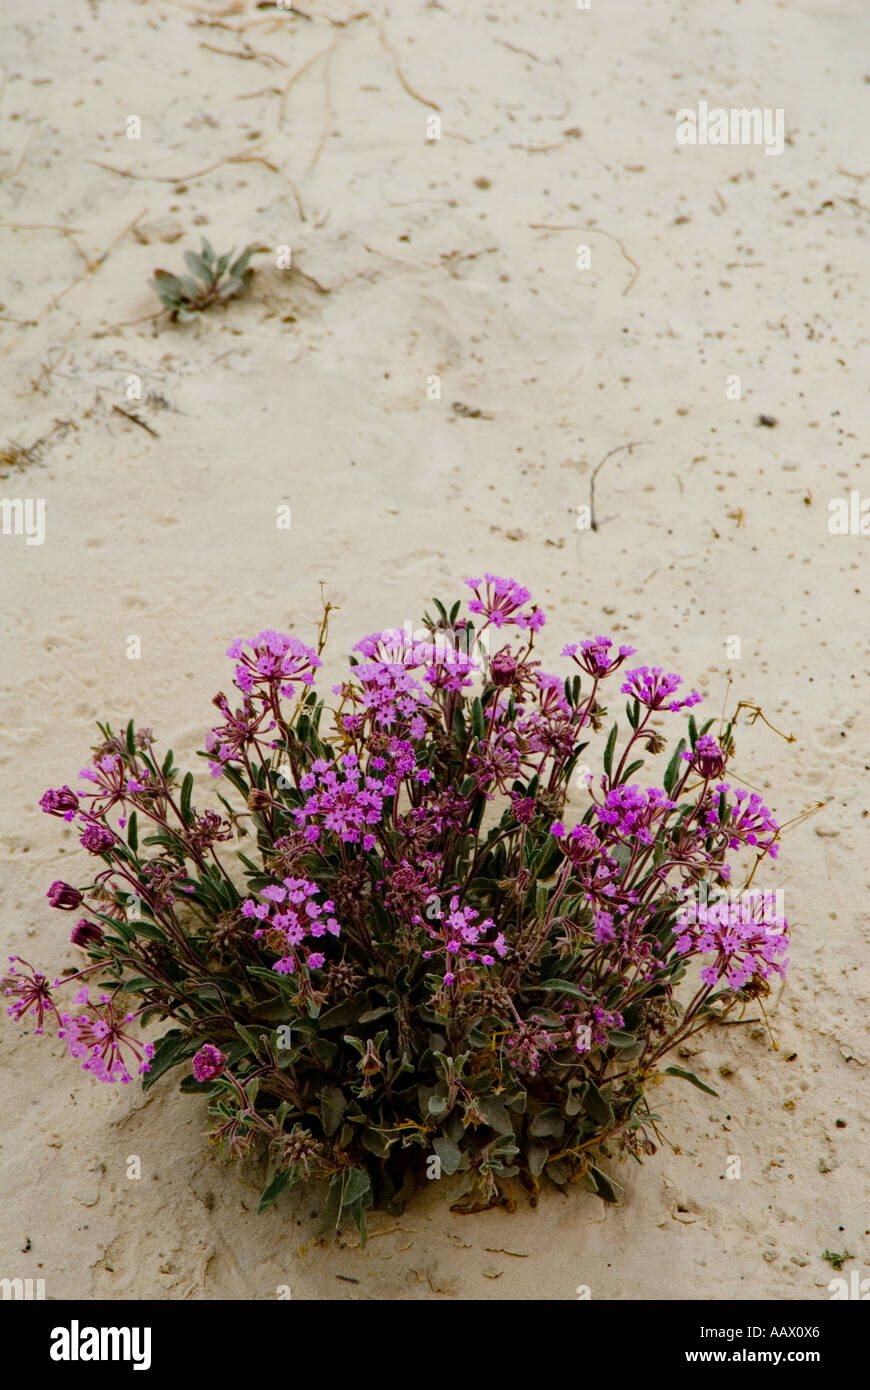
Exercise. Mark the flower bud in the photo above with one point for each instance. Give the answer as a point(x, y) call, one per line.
point(503, 668)
point(97, 839)
point(86, 934)
point(708, 758)
point(208, 1063)
point(259, 800)
point(523, 808)
point(370, 1062)
point(59, 802)
point(63, 895)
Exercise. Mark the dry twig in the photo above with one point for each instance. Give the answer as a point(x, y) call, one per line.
point(546, 227)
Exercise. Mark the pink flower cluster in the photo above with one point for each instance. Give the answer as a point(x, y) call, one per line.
point(389, 693)
point(579, 845)
point(629, 811)
point(744, 943)
point(747, 822)
point(595, 656)
point(582, 1031)
point(650, 686)
point(343, 800)
point(287, 914)
point(459, 936)
point(502, 602)
point(98, 1037)
point(274, 660)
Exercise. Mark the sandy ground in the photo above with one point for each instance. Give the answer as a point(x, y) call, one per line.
point(413, 258)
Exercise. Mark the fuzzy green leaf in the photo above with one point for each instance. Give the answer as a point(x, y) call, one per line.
point(690, 1076)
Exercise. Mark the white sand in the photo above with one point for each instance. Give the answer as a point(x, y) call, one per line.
point(732, 261)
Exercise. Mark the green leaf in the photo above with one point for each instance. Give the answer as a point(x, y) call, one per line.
point(574, 1102)
point(340, 1015)
point(670, 777)
point(133, 831)
point(603, 1185)
point(477, 720)
point(595, 1105)
point(541, 896)
point(167, 284)
point(239, 267)
point(494, 1112)
point(250, 1038)
point(537, 1156)
point(372, 1015)
point(174, 1047)
point(333, 1104)
point(632, 767)
point(148, 929)
point(547, 1125)
point(608, 751)
point(186, 790)
point(198, 266)
point(690, 1076)
point(562, 986)
point(191, 1087)
point(449, 1152)
point(276, 1187)
point(357, 1184)
point(375, 1142)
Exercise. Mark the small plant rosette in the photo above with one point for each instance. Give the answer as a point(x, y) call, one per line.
point(212, 280)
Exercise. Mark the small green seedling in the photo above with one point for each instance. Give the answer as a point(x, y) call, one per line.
point(216, 281)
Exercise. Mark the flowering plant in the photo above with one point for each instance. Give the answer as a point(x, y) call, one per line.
point(411, 962)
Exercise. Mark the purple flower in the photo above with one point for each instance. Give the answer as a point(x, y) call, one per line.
point(99, 1038)
point(502, 603)
point(742, 937)
point(651, 687)
point(458, 935)
point(595, 655)
point(63, 895)
point(629, 811)
point(275, 660)
point(208, 1063)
